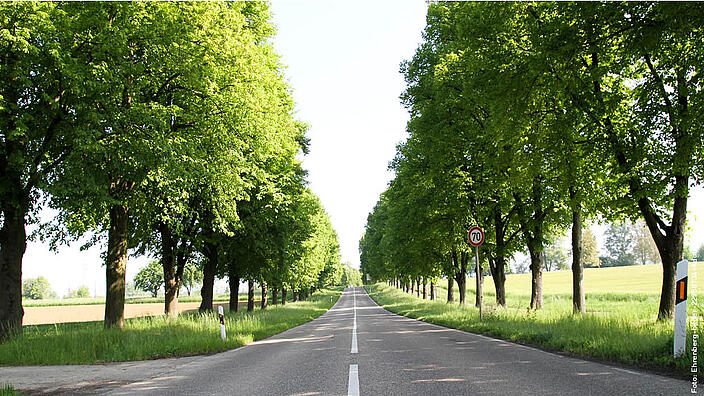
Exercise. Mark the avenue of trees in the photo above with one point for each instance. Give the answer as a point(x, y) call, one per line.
point(160, 128)
point(531, 119)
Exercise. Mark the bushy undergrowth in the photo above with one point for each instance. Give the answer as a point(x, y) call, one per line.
point(157, 336)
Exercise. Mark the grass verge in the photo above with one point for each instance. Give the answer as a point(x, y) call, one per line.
point(158, 336)
point(625, 336)
point(8, 390)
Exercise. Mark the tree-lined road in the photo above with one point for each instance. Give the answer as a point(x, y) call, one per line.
point(356, 347)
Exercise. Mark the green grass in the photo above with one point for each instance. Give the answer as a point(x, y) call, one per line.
point(157, 336)
point(620, 324)
point(7, 390)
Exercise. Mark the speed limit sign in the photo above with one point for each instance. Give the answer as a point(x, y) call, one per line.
point(475, 236)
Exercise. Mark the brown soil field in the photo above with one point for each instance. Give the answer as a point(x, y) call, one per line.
point(92, 313)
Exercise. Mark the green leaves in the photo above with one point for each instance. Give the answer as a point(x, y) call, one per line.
point(524, 112)
point(150, 278)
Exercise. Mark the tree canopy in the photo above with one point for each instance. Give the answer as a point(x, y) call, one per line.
point(526, 119)
point(163, 128)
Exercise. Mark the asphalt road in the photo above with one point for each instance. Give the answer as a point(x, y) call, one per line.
point(356, 348)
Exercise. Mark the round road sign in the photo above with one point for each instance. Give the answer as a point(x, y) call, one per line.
point(475, 236)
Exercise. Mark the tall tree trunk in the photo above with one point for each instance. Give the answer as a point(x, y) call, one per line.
point(425, 288)
point(536, 268)
point(498, 274)
point(417, 287)
point(234, 280)
point(209, 268)
point(283, 296)
point(450, 289)
point(433, 291)
point(250, 295)
point(413, 284)
point(274, 295)
point(497, 266)
point(13, 243)
point(295, 295)
point(115, 267)
point(670, 246)
point(461, 277)
point(578, 303)
point(533, 233)
point(264, 296)
point(168, 263)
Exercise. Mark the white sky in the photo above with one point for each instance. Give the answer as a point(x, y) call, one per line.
point(343, 62)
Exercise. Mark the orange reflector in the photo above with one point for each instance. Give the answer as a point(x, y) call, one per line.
point(681, 290)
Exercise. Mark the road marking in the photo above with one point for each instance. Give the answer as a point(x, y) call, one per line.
point(354, 341)
point(627, 371)
point(354, 325)
point(353, 382)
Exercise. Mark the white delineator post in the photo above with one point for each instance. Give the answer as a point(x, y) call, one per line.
point(681, 308)
point(222, 322)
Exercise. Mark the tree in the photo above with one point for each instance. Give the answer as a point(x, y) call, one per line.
point(644, 248)
point(687, 253)
point(637, 86)
point(192, 276)
point(619, 242)
point(43, 116)
point(150, 278)
point(555, 256)
point(37, 289)
point(81, 292)
point(522, 266)
point(590, 253)
point(541, 115)
point(700, 253)
point(351, 275)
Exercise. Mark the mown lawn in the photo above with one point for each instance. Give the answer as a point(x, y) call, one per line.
point(620, 324)
point(158, 336)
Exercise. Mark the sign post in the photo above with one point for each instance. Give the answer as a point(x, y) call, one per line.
point(475, 236)
point(222, 322)
point(681, 308)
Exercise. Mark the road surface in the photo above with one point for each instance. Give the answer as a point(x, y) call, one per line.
point(356, 348)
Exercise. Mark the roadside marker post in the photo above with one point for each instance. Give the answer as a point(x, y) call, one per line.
point(475, 236)
point(222, 322)
point(681, 308)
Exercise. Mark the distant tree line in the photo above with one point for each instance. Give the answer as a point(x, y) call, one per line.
point(159, 128)
point(37, 289)
point(530, 119)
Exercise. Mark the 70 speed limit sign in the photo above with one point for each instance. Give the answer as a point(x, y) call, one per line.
point(475, 236)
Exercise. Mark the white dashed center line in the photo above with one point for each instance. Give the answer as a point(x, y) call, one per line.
point(354, 326)
point(353, 384)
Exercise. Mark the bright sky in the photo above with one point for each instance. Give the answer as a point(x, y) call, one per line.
point(343, 63)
